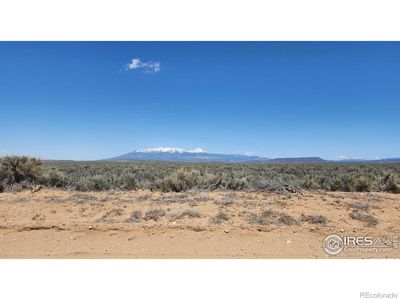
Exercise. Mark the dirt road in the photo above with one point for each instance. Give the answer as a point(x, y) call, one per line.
point(143, 224)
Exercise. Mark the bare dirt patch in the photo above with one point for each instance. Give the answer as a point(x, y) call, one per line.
point(143, 224)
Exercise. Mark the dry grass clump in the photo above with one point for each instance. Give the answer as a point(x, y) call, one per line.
point(225, 202)
point(287, 220)
point(154, 214)
point(135, 217)
point(219, 218)
point(202, 198)
point(108, 215)
point(369, 220)
point(142, 198)
point(191, 213)
point(314, 219)
point(362, 205)
point(268, 217)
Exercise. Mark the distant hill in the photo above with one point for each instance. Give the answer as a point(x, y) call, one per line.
point(297, 160)
point(198, 155)
point(383, 160)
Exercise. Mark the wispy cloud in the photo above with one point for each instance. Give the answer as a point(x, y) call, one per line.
point(146, 67)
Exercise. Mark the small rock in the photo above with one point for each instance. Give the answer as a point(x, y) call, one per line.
point(312, 229)
point(288, 242)
point(227, 231)
point(341, 230)
point(72, 238)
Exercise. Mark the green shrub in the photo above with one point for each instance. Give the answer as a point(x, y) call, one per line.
point(362, 185)
point(182, 180)
point(343, 184)
point(128, 182)
point(95, 183)
point(390, 185)
point(17, 169)
point(308, 183)
point(54, 178)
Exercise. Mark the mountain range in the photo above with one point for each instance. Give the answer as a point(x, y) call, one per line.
point(199, 155)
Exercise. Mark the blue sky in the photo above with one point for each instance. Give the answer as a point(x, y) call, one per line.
point(76, 100)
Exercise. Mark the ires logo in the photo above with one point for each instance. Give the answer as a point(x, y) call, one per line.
point(334, 244)
point(358, 241)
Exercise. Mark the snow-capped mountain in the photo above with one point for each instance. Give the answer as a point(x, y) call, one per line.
point(185, 155)
point(175, 154)
point(171, 150)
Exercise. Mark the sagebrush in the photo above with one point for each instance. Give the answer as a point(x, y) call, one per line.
point(177, 177)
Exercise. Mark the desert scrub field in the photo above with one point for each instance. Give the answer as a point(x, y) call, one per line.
point(17, 173)
point(154, 209)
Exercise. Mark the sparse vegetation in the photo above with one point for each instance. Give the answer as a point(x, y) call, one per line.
point(19, 172)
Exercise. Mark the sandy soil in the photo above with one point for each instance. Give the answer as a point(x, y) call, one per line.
point(144, 224)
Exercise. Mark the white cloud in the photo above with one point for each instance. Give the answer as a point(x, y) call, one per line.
point(134, 64)
point(147, 67)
